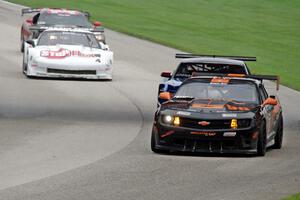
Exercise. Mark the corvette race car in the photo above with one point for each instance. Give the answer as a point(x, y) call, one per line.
point(57, 17)
point(67, 53)
point(192, 63)
point(219, 114)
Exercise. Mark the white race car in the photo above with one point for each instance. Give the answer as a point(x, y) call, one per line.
point(67, 53)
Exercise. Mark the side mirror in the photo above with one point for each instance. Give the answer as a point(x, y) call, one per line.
point(165, 95)
point(270, 101)
point(96, 23)
point(31, 42)
point(29, 21)
point(166, 74)
point(104, 46)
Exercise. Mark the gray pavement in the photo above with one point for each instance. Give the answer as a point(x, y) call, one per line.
point(91, 140)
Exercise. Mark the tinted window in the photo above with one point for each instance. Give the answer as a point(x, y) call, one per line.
point(263, 93)
point(186, 70)
point(243, 92)
point(68, 38)
point(51, 19)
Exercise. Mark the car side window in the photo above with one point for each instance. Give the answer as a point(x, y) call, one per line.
point(35, 18)
point(263, 93)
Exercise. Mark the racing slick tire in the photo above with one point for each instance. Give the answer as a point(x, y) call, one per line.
point(279, 134)
point(25, 69)
point(22, 43)
point(24, 66)
point(153, 148)
point(262, 141)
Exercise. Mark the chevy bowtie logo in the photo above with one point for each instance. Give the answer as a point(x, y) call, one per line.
point(204, 123)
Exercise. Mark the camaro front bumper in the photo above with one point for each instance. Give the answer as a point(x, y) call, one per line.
point(209, 141)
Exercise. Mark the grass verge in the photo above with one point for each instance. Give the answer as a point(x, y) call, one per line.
point(293, 197)
point(269, 29)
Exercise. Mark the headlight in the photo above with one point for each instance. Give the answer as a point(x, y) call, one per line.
point(168, 119)
point(240, 123)
point(244, 123)
point(234, 124)
point(100, 37)
point(176, 121)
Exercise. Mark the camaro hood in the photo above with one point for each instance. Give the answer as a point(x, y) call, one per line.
point(209, 106)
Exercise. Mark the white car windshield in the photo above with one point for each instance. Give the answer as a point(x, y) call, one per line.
point(53, 38)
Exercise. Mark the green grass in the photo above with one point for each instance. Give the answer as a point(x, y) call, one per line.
point(294, 197)
point(268, 29)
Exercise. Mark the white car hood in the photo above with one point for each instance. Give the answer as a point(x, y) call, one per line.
point(70, 55)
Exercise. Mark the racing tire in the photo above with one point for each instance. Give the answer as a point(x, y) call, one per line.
point(24, 67)
point(262, 141)
point(153, 148)
point(279, 134)
point(22, 47)
point(22, 43)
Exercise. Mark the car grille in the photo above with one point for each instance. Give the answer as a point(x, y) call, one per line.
point(203, 145)
point(76, 72)
point(212, 124)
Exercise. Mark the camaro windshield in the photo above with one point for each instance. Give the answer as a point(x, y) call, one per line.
point(49, 19)
point(242, 92)
point(67, 38)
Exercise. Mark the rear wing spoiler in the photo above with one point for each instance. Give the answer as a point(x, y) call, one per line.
point(257, 77)
point(36, 10)
point(30, 10)
point(189, 55)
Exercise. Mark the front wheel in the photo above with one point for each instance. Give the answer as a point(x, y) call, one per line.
point(279, 134)
point(262, 141)
point(22, 43)
point(153, 142)
point(24, 66)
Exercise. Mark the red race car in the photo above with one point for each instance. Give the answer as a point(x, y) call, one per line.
point(45, 18)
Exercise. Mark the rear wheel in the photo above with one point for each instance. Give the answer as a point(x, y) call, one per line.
point(262, 141)
point(279, 134)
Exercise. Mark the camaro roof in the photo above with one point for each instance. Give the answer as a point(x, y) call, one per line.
point(195, 79)
point(213, 60)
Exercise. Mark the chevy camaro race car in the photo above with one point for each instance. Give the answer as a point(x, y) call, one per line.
point(67, 53)
point(192, 63)
point(47, 17)
point(219, 114)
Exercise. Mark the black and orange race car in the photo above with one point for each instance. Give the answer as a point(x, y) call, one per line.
point(45, 18)
point(219, 114)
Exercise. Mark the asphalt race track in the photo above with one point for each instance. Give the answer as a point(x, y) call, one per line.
point(86, 140)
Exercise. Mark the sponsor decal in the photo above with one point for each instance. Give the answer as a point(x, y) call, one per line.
point(229, 134)
point(230, 115)
point(167, 133)
point(217, 80)
point(183, 113)
point(63, 53)
point(209, 134)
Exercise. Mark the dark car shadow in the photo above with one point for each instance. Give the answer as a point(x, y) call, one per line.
point(213, 155)
point(69, 79)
